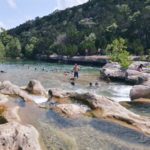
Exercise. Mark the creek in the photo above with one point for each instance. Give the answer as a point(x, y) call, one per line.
point(60, 132)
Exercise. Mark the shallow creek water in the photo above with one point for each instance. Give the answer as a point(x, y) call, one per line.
point(59, 132)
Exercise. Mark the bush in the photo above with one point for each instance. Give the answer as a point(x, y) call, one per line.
point(139, 51)
point(118, 53)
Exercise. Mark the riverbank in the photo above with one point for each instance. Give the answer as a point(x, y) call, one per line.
point(102, 59)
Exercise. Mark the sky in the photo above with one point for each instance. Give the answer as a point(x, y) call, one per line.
point(15, 12)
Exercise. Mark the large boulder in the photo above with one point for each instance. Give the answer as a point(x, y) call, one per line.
point(7, 88)
point(129, 74)
point(109, 108)
point(140, 91)
point(113, 70)
point(70, 109)
point(35, 87)
point(3, 99)
point(16, 135)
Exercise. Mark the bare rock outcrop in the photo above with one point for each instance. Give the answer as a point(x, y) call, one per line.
point(7, 88)
point(114, 71)
point(110, 108)
point(35, 87)
point(70, 109)
point(16, 135)
point(142, 89)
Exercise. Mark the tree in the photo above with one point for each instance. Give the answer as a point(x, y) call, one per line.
point(118, 52)
point(29, 50)
point(13, 48)
point(2, 49)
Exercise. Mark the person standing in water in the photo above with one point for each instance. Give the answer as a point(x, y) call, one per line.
point(76, 69)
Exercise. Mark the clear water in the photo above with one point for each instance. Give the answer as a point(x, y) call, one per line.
point(20, 76)
point(59, 132)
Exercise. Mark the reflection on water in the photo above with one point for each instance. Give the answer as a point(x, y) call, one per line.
point(21, 75)
point(58, 131)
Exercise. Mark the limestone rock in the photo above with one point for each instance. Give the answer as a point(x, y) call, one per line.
point(16, 136)
point(70, 109)
point(8, 88)
point(140, 91)
point(35, 87)
point(110, 108)
point(3, 99)
point(113, 70)
point(11, 114)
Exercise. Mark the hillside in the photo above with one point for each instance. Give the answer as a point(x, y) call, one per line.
point(91, 25)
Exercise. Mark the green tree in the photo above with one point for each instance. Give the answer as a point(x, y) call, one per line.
point(29, 50)
point(2, 49)
point(13, 48)
point(118, 52)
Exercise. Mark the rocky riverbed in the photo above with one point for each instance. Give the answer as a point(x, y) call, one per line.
point(68, 119)
point(100, 107)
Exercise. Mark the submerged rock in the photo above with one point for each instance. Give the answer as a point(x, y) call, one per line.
point(70, 109)
point(8, 88)
point(110, 109)
point(16, 135)
point(35, 87)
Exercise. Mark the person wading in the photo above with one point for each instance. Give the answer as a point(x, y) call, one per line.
point(76, 69)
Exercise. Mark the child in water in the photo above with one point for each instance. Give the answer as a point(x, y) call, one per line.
point(108, 79)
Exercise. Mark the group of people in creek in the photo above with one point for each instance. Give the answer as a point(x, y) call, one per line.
point(76, 70)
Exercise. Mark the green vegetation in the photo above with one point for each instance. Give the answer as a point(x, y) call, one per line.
point(90, 26)
point(9, 46)
point(117, 53)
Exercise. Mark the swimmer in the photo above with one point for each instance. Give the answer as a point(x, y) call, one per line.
point(72, 83)
point(57, 70)
point(65, 73)
point(108, 79)
point(91, 85)
point(29, 67)
point(52, 70)
point(96, 84)
point(24, 65)
point(35, 69)
point(43, 69)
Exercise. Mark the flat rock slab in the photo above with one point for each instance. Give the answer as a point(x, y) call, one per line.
point(110, 109)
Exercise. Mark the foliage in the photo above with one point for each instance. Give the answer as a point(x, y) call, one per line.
point(92, 25)
point(142, 58)
point(13, 48)
point(2, 49)
point(118, 52)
